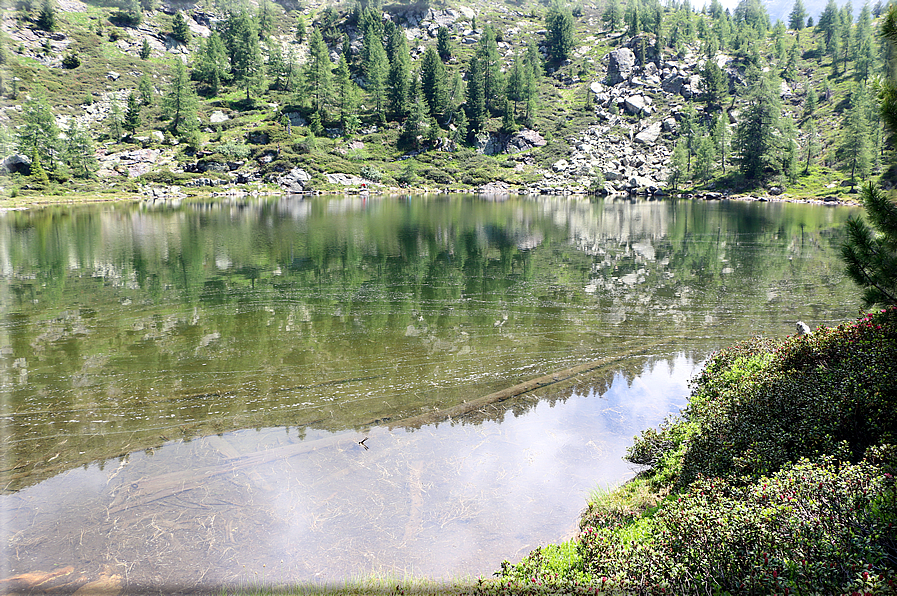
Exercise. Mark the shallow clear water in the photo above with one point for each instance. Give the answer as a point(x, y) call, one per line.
point(185, 389)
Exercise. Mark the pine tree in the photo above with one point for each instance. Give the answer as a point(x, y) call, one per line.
point(870, 253)
point(38, 174)
point(720, 135)
point(433, 83)
point(145, 91)
point(319, 72)
point(212, 64)
point(244, 51)
point(399, 79)
point(376, 70)
point(145, 50)
point(810, 102)
point(789, 73)
point(828, 23)
point(180, 103)
point(413, 127)
point(443, 46)
point(613, 14)
point(811, 145)
point(39, 133)
point(705, 156)
point(346, 92)
point(265, 18)
point(46, 19)
point(855, 141)
point(490, 64)
point(79, 151)
point(179, 28)
point(559, 35)
point(678, 165)
point(715, 84)
point(476, 101)
point(300, 29)
point(757, 136)
point(115, 122)
point(132, 114)
point(798, 17)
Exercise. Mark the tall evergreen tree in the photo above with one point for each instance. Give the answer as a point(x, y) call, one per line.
point(39, 132)
point(376, 71)
point(613, 14)
point(798, 16)
point(433, 83)
point(443, 45)
point(559, 35)
point(145, 91)
point(319, 72)
point(476, 100)
point(145, 50)
point(811, 144)
point(132, 114)
point(490, 63)
point(180, 103)
point(242, 42)
point(399, 79)
point(829, 22)
point(346, 93)
point(757, 137)
point(179, 28)
point(79, 151)
point(115, 121)
point(720, 135)
point(212, 66)
point(855, 142)
point(870, 253)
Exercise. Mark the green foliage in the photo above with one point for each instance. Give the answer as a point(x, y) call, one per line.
point(39, 135)
point(179, 28)
point(871, 253)
point(46, 19)
point(180, 103)
point(132, 114)
point(145, 50)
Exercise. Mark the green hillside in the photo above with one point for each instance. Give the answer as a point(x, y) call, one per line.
point(496, 97)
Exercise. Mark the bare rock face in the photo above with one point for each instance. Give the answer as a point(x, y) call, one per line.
point(620, 65)
point(294, 181)
point(16, 164)
point(524, 140)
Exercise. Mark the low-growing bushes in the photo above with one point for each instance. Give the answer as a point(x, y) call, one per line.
point(778, 478)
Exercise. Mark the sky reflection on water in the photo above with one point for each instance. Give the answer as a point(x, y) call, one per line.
point(451, 499)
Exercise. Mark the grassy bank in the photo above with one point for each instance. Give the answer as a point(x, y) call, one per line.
point(778, 477)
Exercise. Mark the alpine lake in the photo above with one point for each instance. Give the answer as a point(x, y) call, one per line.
point(259, 391)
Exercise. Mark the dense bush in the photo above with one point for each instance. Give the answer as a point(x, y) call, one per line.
point(762, 404)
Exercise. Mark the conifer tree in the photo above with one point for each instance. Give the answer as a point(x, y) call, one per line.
point(855, 143)
point(46, 19)
point(476, 101)
point(300, 29)
point(346, 93)
point(179, 28)
point(720, 135)
point(180, 103)
point(757, 138)
point(145, 50)
point(115, 121)
point(80, 151)
point(38, 174)
point(319, 72)
point(132, 114)
point(376, 70)
point(613, 14)
point(811, 144)
point(39, 132)
point(145, 91)
point(244, 51)
point(443, 45)
point(559, 35)
point(399, 79)
point(212, 64)
point(490, 64)
point(828, 24)
point(433, 83)
point(798, 16)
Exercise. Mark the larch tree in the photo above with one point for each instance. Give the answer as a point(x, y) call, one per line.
point(399, 78)
point(318, 72)
point(180, 102)
point(245, 53)
point(39, 134)
point(756, 140)
point(559, 35)
point(212, 66)
point(798, 16)
point(376, 71)
point(434, 83)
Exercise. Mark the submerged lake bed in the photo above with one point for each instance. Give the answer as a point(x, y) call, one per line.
point(309, 390)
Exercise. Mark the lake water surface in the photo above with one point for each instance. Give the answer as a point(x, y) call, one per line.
point(186, 390)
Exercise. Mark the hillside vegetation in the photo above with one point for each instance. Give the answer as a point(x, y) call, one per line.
point(777, 478)
point(609, 97)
